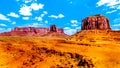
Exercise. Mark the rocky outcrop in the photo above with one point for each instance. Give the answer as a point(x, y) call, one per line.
point(53, 28)
point(32, 31)
point(95, 22)
point(55, 32)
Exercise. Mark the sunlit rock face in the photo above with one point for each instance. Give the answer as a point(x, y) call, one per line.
point(32, 31)
point(95, 22)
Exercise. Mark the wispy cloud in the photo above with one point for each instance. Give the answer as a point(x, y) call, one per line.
point(12, 14)
point(25, 18)
point(109, 3)
point(13, 23)
point(57, 16)
point(36, 25)
point(27, 1)
point(3, 24)
point(3, 17)
point(112, 4)
point(116, 20)
point(116, 25)
point(109, 12)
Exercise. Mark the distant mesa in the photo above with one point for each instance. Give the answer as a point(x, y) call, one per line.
point(33, 31)
point(99, 22)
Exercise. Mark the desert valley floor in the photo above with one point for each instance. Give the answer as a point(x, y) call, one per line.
point(88, 51)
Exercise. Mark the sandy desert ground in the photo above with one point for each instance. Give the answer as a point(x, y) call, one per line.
point(88, 51)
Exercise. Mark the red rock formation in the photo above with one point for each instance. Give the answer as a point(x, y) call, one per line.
point(32, 31)
point(53, 28)
point(95, 22)
point(55, 32)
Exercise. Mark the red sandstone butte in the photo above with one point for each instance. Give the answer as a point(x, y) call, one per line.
point(95, 22)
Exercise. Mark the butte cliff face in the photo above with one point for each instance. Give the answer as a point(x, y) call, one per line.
point(32, 31)
point(93, 27)
point(95, 22)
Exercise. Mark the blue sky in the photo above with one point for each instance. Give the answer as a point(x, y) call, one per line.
point(66, 14)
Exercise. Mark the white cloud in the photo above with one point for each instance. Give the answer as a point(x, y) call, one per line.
point(3, 17)
point(3, 24)
point(109, 12)
point(25, 18)
point(46, 21)
point(14, 23)
point(38, 18)
point(42, 15)
point(53, 16)
point(36, 6)
point(74, 22)
point(74, 25)
point(12, 14)
point(61, 16)
point(57, 16)
point(36, 25)
point(25, 10)
point(45, 12)
point(69, 30)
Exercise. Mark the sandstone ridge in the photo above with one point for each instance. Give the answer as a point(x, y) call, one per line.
point(33, 31)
